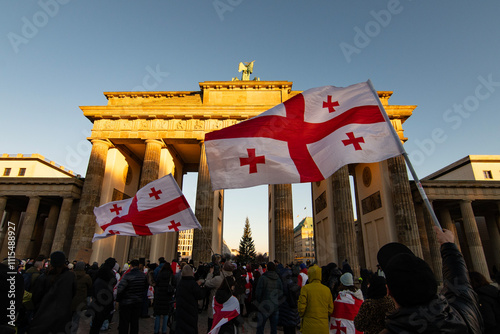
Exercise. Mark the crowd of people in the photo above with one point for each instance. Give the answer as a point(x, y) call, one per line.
point(53, 295)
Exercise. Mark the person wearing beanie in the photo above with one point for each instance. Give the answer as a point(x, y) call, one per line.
point(413, 287)
point(371, 316)
point(52, 295)
point(268, 294)
point(315, 304)
point(346, 305)
point(186, 297)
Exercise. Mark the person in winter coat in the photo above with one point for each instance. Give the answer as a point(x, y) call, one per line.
point(164, 292)
point(288, 313)
point(413, 288)
point(83, 290)
point(102, 295)
point(371, 315)
point(489, 302)
point(52, 296)
point(225, 300)
point(346, 306)
point(315, 304)
point(268, 295)
point(129, 295)
point(213, 282)
point(186, 296)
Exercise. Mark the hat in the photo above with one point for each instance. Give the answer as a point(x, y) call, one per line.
point(303, 266)
point(187, 271)
point(389, 250)
point(228, 266)
point(409, 278)
point(377, 288)
point(57, 259)
point(346, 279)
point(70, 266)
point(110, 262)
point(80, 266)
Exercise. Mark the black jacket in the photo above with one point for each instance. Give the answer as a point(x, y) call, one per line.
point(489, 299)
point(456, 310)
point(164, 291)
point(52, 294)
point(187, 295)
point(132, 287)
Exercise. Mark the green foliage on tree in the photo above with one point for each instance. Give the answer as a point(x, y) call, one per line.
point(247, 246)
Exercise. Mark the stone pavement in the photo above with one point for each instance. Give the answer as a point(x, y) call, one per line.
point(146, 325)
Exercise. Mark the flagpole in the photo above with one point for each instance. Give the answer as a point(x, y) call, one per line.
point(407, 159)
point(210, 244)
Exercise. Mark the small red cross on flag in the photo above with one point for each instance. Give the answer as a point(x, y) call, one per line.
point(147, 212)
point(297, 141)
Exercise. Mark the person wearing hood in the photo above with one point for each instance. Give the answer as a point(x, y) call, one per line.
point(226, 308)
point(186, 296)
point(315, 304)
point(268, 295)
point(413, 288)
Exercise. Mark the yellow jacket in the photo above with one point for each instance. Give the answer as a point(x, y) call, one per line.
point(315, 304)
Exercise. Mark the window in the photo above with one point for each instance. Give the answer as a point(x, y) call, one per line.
point(6, 172)
point(487, 174)
point(22, 171)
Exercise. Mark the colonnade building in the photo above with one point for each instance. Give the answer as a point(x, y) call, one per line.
point(141, 136)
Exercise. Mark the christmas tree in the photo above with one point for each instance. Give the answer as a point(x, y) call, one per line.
point(247, 246)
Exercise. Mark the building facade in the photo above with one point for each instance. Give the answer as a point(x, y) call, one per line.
point(303, 241)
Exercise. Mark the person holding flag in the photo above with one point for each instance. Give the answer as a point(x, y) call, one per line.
point(226, 308)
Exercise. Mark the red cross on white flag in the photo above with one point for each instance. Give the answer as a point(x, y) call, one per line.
point(223, 313)
point(158, 207)
point(305, 139)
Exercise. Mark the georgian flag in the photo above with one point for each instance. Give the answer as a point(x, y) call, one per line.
point(158, 207)
point(223, 313)
point(345, 309)
point(305, 139)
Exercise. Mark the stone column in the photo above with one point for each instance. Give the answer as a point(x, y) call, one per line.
point(434, 247)
point(141, 246)
point(494, 234)
point(62, 225)
point(204, 211)
point(3, 233)
point(447, 223)
point(14, 218)
point(422, 232)
point(26, 232)
point(343, 217)
point(50, 229)
point(91, 197)
point(404, 211)
point(473, 238)
point(283, 223)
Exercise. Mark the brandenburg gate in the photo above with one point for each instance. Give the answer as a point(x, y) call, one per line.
point(141, 136)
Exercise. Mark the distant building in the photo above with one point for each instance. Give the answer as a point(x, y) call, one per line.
point(303, 236)
point(185, 244)
point(39, 201)
point(470, 168)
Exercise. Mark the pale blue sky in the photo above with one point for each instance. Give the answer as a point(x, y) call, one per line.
point(439, 55)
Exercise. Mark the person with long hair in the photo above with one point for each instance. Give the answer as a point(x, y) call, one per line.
point(226, 308)
point(489, 301)
point(102, 295)
point(164, 292)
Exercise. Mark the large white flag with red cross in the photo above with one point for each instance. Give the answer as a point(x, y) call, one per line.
point(158, 207)
point(305, 139)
